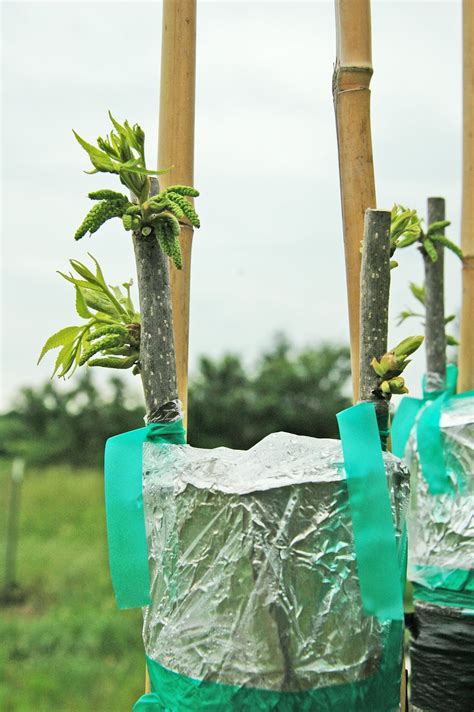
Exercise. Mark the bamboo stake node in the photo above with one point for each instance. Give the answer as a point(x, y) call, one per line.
point(351, 81)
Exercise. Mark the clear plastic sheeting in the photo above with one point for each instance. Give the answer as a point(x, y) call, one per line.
point(252, 562)
point(441, 527)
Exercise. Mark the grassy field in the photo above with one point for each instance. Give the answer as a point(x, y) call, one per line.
point(66, 647)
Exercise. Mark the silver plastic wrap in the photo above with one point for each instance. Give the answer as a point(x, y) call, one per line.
point(252, 561)
point(441, 527)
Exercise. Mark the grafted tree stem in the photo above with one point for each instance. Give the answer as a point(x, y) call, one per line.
point(435, 335)
point(374, 299)
point(157, 353)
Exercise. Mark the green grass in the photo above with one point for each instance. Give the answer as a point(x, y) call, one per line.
point(66, 647)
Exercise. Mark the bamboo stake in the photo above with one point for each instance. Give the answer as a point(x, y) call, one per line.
point(351, 80)
point(374, 299)
point(176, 148)
point(466, 347)
point(435, 333)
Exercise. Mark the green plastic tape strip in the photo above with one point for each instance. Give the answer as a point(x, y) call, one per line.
point(403, 423)
point(445, 597)
point(429, 436)
point(126, 534)
point(430, 439)
point(148, 703)
point(173, 692)
point(374, 532)
point(445, 587)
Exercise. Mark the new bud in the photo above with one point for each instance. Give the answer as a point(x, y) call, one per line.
point(408, 346)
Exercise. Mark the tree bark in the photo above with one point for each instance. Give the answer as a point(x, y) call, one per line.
point(157, 354)
point(435, 334)
point(351, 81)
point(374, 299)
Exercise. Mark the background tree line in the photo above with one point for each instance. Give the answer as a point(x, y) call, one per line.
point(229, 404)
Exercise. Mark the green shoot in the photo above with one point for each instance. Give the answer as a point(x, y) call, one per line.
point(418, 291)
point(406, 229)
point(122, 152)
point(110, 335)
point(391, 366)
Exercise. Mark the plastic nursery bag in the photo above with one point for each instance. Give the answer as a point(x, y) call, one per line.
point(441, 525)
point(255, 593)
point(441, 654)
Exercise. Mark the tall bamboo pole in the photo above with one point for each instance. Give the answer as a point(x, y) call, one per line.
point(466, 347)
point(176, 148)
point(351, 80)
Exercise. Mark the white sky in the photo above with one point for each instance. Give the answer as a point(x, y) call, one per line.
point(269, 256)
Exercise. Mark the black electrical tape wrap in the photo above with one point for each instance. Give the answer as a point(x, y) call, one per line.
point(442, 659)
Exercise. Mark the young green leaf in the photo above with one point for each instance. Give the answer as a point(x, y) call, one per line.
point(84, 272)
point(408, 240)
point(100, 160)
point(80, 282)
point(407, 315)
point(98, 272)
point(60, 338)
point(81, 306)
point(408, 346)
point(418, 292)
point(65, 360)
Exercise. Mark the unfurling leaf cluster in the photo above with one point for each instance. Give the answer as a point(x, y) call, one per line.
point(157, 217)
point(418, 291)
point(391, 366)
point(406, 229)
point(111, 334)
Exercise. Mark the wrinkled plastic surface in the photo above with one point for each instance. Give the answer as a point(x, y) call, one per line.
point(441, 527)
point(442, 656)
point(254, 580)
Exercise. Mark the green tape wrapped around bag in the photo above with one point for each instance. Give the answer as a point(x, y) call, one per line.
point(274, 585)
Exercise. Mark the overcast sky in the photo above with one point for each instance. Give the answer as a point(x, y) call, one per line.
point(269, 255)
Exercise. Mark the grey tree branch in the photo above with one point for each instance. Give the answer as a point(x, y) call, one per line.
point(157, 353)
point(374, 299)
point(435, 335)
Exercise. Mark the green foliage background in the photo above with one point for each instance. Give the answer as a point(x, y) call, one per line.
point(229, 404)
point(66, 648)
